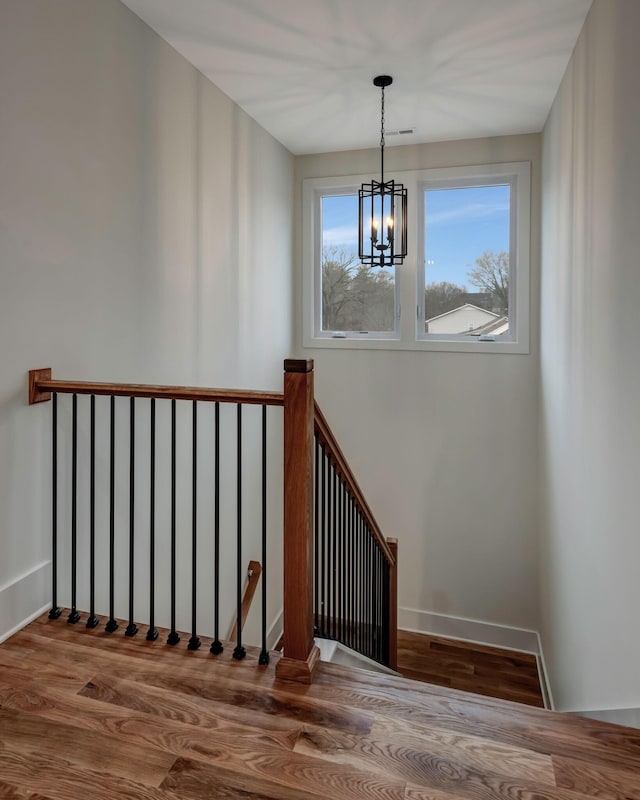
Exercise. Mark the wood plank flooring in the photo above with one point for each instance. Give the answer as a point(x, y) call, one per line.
point(85, 714)
point(491, 671)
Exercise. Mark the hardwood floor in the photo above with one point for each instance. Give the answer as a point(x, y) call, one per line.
point(85, 714)
point(491, 671)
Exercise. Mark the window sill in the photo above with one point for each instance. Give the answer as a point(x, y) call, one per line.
point(356, 342)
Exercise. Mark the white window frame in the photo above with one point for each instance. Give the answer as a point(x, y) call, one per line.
point(410, 276)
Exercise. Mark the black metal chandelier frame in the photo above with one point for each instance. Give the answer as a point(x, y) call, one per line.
point(382, 209)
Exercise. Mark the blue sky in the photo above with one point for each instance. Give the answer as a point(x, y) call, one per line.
point(461, 224)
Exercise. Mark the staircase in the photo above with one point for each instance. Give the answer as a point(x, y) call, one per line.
point(161, 494)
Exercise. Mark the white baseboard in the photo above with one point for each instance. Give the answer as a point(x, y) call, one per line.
point(469, 630)
point(275, 630)
point(24, 599)
point(544, 679)
point(630, 717)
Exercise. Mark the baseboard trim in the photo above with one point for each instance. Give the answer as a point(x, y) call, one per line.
point(469, 630)
point(275, 630)
point(629, 717)
point(24, 599)
point(547, 695)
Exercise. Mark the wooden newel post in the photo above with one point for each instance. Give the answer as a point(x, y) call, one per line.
point(393, 605)
point(300, 657)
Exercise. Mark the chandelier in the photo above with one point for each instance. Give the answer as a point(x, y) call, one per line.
point(382, 209)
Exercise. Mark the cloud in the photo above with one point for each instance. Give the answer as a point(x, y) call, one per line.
point(343, 236)
point(467, 212)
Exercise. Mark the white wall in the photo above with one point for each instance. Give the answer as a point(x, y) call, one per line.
point(590, 374)
point(444, 444)
point(144, 236)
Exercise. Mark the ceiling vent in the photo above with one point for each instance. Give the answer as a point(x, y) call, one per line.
point(401, 132)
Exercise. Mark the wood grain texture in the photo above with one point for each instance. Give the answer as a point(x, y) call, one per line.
point(491, 671)
point(36, 394)
point(471, 751)
point(298, 524)
point(45, 385)
point(30, 735)
point(604, 782)
point(9, 792)
point(254, 570)
point(160, 723)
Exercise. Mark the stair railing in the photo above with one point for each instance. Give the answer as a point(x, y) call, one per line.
point(355, 574)
point(340, 573)
point(99, 470)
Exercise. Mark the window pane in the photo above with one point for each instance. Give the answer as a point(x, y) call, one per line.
point(467, 248)
point(354, 297)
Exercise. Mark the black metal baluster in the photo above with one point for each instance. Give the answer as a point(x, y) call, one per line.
point(340, 560)
point(152, 633)
point(350, 571)
point(374, 587)
point(216, 646)
point(365, 590)
point(354, 590)
point(361, 560)
point(385, 605)
point(323, 545)
point(112, 625)
point(376, 599)
point(55, 611)
point(173, 637)
point(360, 563)
point(316, 537)
point(264, 653)
point(93, 619)
point(239, 651)
point(328, 575)
point(132, 628)
point(371, 594)
point(363, 601)
point(334, 562)
point(73, 615)
point(378, 608)
point(343, 563)
point(380, 603)
point(194, 641)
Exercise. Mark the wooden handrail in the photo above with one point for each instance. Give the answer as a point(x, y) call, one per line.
point(41, 386)
point(336, 456)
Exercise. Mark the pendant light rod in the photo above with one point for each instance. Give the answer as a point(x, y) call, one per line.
point(382, 81)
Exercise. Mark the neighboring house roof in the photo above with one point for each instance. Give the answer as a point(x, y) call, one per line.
point(494, 327)
point(457, 310)
point(466, 318)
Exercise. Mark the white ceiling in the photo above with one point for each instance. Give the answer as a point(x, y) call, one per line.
point(304, 68)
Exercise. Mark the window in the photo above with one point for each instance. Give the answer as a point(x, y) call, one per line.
point(466, 276)
point(352, 299)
